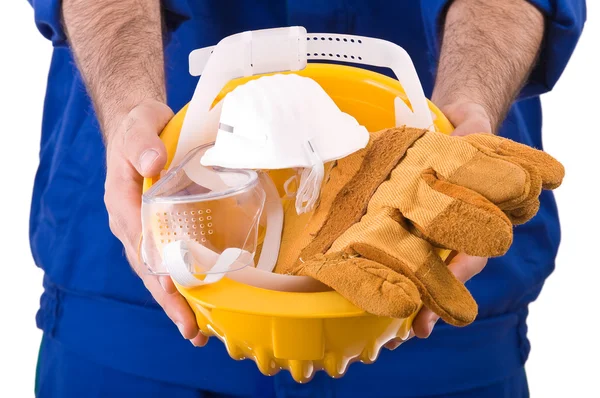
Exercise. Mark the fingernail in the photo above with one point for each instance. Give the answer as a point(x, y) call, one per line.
point(181, 328)
point(147, 158)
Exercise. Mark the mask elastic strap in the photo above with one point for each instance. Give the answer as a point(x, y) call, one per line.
point(310, 181)
point(286, 187)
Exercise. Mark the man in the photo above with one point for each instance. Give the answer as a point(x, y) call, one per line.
point(118, 70)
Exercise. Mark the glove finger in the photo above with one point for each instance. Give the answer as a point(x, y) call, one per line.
point(502, 181)
point(384, 238)
point(365, 283)
point(549, 169)
point(468, 223)
point(509, 174)
point(524, 212)
point(506, 182)
point(439, 289)
point(514, 190)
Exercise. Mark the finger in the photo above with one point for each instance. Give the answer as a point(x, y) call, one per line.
point(174, 305)
point(476, 124)
point(464, 267)
point(397, 342)
point(167, 284)
point(424, 323)
point(525, 212)
point(141, 143)
point(393, 344)
point(200, 340)
point(550, 170)
point(122, 198)
point(470, 222)
point(166, 296)
point(469, 118)
point(385, 240)
point(138, 151)
point(438, 287)
point(508, 174)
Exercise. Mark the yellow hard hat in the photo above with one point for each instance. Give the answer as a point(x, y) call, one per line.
point(302, 332)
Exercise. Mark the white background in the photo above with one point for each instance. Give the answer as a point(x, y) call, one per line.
point(563, 325)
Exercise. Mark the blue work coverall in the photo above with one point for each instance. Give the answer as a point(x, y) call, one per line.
point(104, 336)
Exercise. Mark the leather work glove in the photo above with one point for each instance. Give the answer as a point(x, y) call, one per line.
point(385, 209)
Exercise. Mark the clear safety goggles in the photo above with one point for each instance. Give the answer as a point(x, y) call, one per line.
point(201, 222)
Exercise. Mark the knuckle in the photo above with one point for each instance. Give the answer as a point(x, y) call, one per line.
point(107, 195)
point(109, 199)
point(112, 226)
point(118, 227)
point(138, 137)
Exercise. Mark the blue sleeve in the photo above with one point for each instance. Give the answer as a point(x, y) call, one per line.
point(564, 23)
point(47, 15)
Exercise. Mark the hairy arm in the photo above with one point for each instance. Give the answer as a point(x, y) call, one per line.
point(488, 51)
point(118, 48)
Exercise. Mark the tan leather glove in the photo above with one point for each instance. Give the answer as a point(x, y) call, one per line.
point(384, 209)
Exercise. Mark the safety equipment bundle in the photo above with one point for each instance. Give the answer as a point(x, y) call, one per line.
point(307, 209)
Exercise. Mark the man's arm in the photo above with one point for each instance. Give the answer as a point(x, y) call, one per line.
point(118, 48)
point(487, 53)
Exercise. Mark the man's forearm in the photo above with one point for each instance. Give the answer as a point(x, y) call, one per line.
point(487, 53)
point(118, 48)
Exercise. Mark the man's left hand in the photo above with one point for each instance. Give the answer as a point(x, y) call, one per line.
point(469, 118)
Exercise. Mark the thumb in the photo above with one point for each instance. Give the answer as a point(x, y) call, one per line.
point(468, 118)
point(474, 125)
point(464, 267)
point(141, 144)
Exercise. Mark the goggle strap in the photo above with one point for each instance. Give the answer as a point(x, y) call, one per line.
point(274, 213)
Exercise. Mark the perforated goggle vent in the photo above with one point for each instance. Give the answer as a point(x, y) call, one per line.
point(194, 224)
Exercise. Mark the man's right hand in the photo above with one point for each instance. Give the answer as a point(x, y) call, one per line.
point(135, 151)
